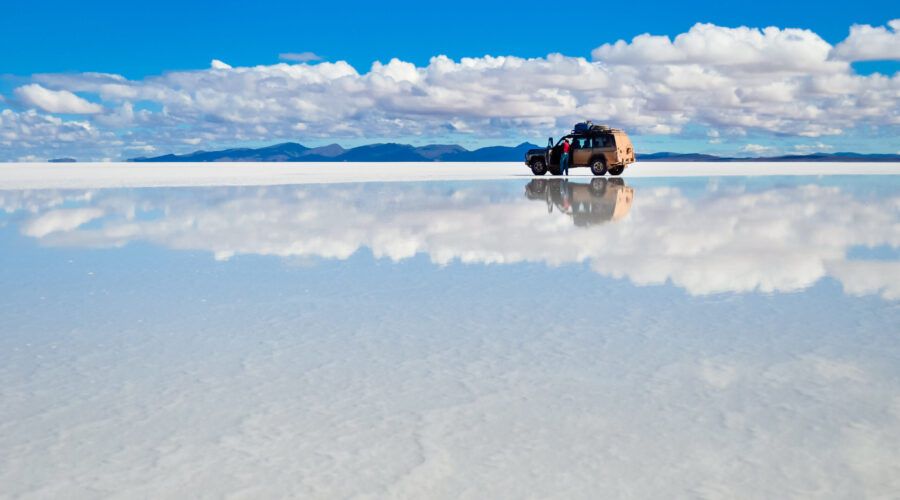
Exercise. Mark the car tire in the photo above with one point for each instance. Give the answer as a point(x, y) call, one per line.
point(538, 167)
point(598, 167)
point(598, 186)
point(617, 170)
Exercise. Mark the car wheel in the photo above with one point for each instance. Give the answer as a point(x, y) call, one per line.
point(598, 167)
point(616, 170)
point(538, 167)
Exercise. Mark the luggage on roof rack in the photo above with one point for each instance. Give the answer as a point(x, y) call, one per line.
point(585, 127)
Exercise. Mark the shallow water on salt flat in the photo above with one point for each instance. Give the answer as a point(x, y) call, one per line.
point(692, 337)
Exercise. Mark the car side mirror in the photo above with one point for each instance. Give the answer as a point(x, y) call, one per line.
point(550, 142)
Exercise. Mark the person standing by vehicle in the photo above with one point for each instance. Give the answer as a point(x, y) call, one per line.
point(564, 159)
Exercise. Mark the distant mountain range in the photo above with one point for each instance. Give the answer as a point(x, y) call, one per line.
point(392, 152)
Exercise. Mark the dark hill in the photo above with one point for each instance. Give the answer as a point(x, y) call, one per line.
point(440, 151)
point(665, 156)
point(388, 152)
point(382, 152)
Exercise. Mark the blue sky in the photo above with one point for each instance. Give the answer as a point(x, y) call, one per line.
point(141, 42)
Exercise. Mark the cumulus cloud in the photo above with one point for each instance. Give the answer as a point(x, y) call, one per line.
point(51, 136)
point(755, 148)
point(867, 43)
point(773, 240)
point(769, 81)
point(299, 56)
point(769, 50)
point(56, 101)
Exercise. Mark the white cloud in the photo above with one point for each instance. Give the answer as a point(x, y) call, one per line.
point(867, 43)
point(769, 50)
point(755, 148)
point(120, 117)
point(299, 56)
point(812, 148)
point(769, 81)
point(56, 101)
point(51, 136)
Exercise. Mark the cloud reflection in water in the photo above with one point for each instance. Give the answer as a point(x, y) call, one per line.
point(781, 238)
point(129, 372)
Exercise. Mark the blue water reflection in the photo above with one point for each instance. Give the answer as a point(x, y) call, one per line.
point(705, 236)
point(654, 338)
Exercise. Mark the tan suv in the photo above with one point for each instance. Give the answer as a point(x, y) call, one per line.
point(598, 147)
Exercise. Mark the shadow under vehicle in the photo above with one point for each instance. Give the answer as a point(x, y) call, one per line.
point(597, 202)
point(598, 147)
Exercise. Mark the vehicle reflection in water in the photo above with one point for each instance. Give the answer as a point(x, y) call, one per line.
point(600, 201)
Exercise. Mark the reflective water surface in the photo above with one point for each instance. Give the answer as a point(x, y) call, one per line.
point(696, 337)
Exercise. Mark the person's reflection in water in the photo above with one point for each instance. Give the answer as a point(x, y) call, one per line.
point(564, 194)
point(602, 200)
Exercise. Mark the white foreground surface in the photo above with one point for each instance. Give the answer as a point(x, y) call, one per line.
point(727, 338)
point(108, 175)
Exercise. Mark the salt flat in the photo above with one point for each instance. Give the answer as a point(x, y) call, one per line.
point(106, 175)
point(693, 337)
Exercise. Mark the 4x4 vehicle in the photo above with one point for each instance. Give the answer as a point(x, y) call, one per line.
point(599, 147)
